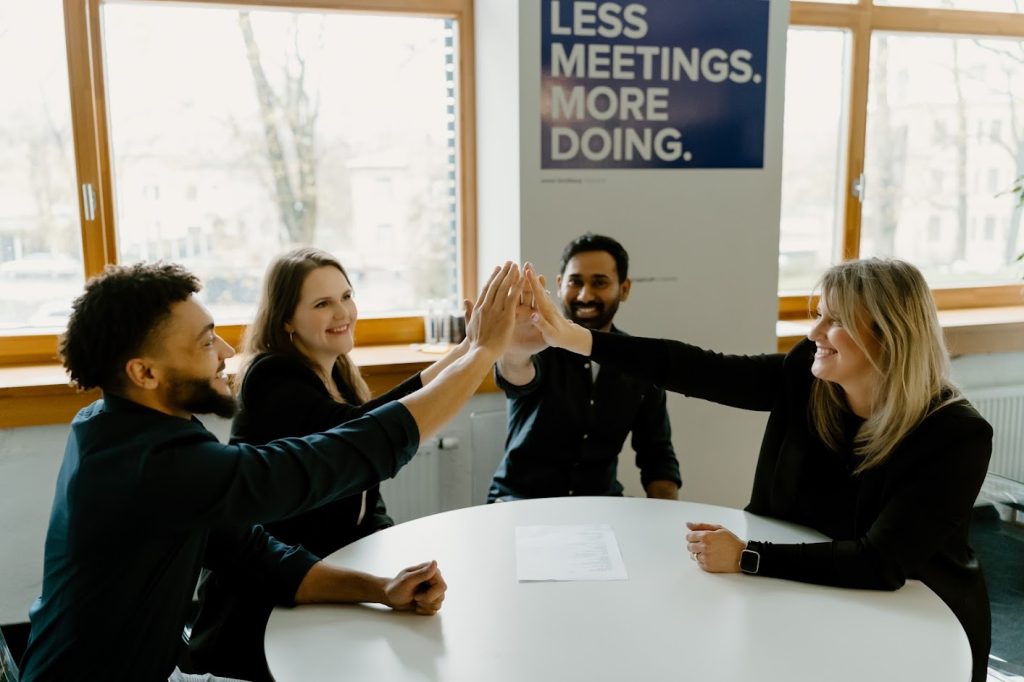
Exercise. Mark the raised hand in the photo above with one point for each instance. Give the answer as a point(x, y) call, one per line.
point(549, 321)
point(492, 319)
point(526, 338)
point(418, 588)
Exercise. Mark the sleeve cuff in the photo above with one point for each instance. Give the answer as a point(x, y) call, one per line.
point(295, 564)
point(400, 429)
point(513, 391)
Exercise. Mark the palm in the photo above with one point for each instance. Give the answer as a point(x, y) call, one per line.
point(526, 338)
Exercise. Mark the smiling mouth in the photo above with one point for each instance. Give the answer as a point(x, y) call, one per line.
point(824, 352)
point(587, 310)
point(338, 330)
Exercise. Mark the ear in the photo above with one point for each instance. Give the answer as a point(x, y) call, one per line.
point(288, 328)
point(624, 289)
point(558, 281)
point(140, 373)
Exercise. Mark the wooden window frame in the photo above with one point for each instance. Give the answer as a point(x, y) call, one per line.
point(83, 35)
point(861, 19)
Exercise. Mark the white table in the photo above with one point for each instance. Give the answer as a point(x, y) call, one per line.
point(669, 621)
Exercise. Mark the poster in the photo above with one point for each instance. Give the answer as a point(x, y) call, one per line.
point(653, 84)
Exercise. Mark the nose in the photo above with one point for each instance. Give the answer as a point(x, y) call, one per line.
point(225, 351)
point(817, 331)
point(585, 294)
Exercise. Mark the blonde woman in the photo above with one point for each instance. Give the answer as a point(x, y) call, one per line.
point(296, 379)
point(867, 441)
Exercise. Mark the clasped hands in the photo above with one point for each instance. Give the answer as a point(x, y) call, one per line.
point(515, 314)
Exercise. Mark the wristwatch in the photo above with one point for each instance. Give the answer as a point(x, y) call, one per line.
point(750, 558)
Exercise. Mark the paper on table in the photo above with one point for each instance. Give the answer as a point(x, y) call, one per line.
point(585, 552)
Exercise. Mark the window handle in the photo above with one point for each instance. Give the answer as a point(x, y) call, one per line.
point(858, 188)
point(89, 201)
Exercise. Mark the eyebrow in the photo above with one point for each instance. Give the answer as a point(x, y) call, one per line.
point(208, 329)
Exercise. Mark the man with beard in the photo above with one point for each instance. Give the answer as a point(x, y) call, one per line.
point(146, 496)
point(567, 418)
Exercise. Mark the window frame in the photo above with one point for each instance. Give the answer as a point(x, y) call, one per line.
point(91, 142)
point(861, 20)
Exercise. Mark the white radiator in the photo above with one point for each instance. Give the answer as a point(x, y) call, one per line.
point(416, 490)
point(1003, 407)
point(451, 470)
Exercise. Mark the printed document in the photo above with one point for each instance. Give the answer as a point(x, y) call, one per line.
point(557, 553)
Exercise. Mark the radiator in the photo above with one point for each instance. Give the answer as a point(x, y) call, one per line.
point(416, 490)
point(451, 470)
point(1003, 407)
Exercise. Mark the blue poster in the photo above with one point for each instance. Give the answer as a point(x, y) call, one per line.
point(653, 83)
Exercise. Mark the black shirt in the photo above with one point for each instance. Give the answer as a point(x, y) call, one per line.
point(281, 396)
point(906, 518)
point(565, 430)
point(139, 497)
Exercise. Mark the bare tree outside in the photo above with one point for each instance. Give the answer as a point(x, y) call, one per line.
point(288, 115)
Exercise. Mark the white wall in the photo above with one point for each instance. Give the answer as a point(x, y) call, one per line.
point(703, 243)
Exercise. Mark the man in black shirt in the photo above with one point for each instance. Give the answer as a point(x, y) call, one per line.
point(568, 419)
point(146, 496)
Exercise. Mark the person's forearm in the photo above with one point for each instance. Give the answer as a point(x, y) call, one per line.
point(663, 490)
point(436, 404)
point(517, 370)
point(332, 584)
point(430, 373)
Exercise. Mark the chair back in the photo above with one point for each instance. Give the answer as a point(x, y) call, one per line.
point(8, 671)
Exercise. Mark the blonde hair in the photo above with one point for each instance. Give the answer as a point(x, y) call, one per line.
point(282, 289)
point(891, 299)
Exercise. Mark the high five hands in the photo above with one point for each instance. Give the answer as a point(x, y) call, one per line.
point(491, 320)
point(549, 321)
point(516, 313)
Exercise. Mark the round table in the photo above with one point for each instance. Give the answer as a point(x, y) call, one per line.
point(669, 621)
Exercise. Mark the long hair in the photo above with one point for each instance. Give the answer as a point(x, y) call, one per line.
point(892, 300)
point(282, 288)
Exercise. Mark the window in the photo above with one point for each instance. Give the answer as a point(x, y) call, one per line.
point(931, 138)
point(225, 134)
point(40, 252)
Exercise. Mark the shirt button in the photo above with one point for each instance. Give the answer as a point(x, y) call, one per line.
point(586, 436)
point(586, 365)
point(591, 402)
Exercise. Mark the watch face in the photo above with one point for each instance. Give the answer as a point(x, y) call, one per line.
point(750, 561)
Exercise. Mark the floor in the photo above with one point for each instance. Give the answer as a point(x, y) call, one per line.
point(1000, 546)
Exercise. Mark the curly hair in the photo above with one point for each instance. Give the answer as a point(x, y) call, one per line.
point(116, 316)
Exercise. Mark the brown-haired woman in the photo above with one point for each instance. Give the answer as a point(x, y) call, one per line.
point(296, 379)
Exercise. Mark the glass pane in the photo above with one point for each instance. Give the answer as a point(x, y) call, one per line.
point(40, 239)
point(945, 141)
point(971, 5)
point(238, 135)
point(812, 155)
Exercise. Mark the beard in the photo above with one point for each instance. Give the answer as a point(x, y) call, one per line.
point(603, 319)
point(199, 397)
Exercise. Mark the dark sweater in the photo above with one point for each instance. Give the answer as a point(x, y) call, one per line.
point(281, 396)
point(566, 430)
point(139, 498)
point(904, 519)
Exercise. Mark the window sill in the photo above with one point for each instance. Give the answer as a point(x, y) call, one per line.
point(969, 331)
point(39, 394)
